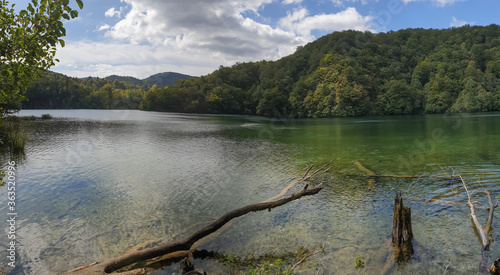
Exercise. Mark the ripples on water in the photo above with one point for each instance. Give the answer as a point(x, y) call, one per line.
point(95, 183)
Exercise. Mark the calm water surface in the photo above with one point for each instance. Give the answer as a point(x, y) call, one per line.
point(93, 183)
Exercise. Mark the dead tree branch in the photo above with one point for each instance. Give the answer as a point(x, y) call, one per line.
point(82, 267)
point(490, 216)
point(114, 264)
point(324, 168)
point(483, 232)
point(307, 171)
point(305, 258)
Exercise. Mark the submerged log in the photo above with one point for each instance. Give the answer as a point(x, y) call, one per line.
point(364, 170)
point(135, 256)
point(402, 233)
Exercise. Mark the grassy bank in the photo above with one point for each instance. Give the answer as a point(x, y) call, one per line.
point(12, 134)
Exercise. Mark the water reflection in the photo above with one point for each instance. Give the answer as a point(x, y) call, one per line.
point(95, 183)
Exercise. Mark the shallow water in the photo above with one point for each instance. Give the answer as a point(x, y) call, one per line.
point(94, 183)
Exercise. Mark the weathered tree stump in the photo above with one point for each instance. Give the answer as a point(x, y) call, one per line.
point(402, 233)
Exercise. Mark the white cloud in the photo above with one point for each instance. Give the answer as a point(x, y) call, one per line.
point(288, 2)
point(340, 3)
point(103, 28)
point(216, 29)
point(89, 58)
point(439, 3)
point(157, 21)
point(112, 12)
point(337, 3)
point(299, 22)
point(458, 23)
point(293, 18)
point(443, 3)
point(155, 35)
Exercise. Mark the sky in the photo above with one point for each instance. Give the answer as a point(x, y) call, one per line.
point(140, 38)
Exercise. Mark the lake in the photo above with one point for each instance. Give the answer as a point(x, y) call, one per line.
point(94, 183)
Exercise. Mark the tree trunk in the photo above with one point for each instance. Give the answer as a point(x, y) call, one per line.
point(402, 233)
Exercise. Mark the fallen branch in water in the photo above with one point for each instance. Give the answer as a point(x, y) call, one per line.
point(305, 258)
point(114, 264)
point(82, 267)
point(324, 168)
point(370, 174)
point(366, 171)
point(483, 232)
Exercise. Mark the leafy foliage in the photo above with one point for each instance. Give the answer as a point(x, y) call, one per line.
point(29, 40)
point(345, 73)
point(56, 91)
point(160, 79)
point(358, 73)
point(270, 263)
point(359, 262)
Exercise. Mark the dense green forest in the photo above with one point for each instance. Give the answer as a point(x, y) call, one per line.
point(57, 91)
point(347, 73)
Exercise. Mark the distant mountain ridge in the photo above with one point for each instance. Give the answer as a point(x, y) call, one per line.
point(160, 79)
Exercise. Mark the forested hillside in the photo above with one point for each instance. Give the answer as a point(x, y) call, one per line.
point(57, 91)
point(346, 73)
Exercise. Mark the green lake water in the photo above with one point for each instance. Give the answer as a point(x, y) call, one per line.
point(94, 183)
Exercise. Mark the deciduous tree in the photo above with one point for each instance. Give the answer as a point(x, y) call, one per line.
point(29, 39)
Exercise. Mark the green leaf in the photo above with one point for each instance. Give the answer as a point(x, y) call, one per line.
point(65, 16)
point(31, 9)
point(80, 3)
point(51, 41)
point(65, 2)
point(23, 13)
point(74, 14)
point(62, 43)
